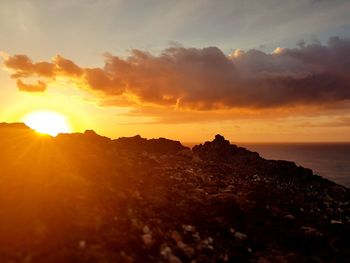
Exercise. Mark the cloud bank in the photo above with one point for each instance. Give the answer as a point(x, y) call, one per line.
point(205, 79)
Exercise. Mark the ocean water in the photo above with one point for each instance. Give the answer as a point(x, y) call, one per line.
point(329, 160)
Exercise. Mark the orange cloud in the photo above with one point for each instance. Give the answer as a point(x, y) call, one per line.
point(23, 67)
point(207, 79)
point(40, 86)
point(66, 67)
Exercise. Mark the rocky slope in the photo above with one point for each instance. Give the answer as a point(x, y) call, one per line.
point(87, 198)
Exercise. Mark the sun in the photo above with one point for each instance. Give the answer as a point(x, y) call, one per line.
point(47, 122)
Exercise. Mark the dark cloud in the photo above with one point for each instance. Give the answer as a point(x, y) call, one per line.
point(204, 79)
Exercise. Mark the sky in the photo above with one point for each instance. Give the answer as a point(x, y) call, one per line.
point(254, 71)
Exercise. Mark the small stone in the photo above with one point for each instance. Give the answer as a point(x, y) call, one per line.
point(188, 228)
point(189, 251)
point(181, 244)
point(146, 230)
point(196, 236)
point(206, 242)
point(165, 251)
point(316, 259)
point(176, 236)
point(147, 239)
point(196, 159)
point(122, 195)
point(136, 194)
point(126, 257)
point(256, 177)
point(174, 259)
point(82, 244)
point(336, 222)
point(185, 153)
point(224, 257)
point(289, 216)
point(240, 236)
point(310, 231)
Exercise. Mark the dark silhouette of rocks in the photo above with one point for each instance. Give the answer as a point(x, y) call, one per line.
point(220, 150)
point(160, 145)
point(130, 144)
point(86, 198)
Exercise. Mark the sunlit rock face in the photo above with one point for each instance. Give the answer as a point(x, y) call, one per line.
point(86, 198)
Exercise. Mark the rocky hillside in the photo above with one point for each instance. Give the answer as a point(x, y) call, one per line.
point(88, 198)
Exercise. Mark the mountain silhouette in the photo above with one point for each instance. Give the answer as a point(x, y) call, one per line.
point(83, 197)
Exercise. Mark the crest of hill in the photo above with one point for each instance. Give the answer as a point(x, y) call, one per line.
point(136, 143)
point(16, 125)
point(10, 130)
point(160, 145)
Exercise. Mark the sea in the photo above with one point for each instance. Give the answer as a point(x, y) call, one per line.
point(329, 160)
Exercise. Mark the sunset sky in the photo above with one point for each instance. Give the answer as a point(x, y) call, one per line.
point(254, 71)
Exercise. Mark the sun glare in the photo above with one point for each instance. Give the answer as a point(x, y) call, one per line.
point(47, 122)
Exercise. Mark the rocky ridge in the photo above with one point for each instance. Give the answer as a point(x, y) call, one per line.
point(88, 198)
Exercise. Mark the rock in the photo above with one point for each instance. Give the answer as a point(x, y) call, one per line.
point(196, 159)
point(188, 228)
point(289, 217)
point(240, 236)
point(311, 231)
point(224, 257)
point(176, 236)
point(256, 177)
point(168, 255)
point(82, 244)
point(146, 230)
point(147, 240)
point(189, 251)
point(187, 153)
point(336, 222)
point(220, 150)
point(174, 259)
point(126, 257)
point(166, 251)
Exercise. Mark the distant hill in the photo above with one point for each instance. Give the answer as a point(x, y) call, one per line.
point(83, 197)
point(18, 125)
